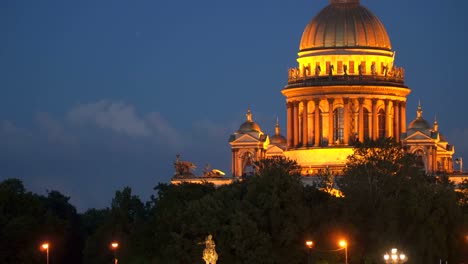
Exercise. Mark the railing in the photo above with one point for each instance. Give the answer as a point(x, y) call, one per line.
point(296, 78)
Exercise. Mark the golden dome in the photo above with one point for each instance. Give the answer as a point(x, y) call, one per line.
point(249, 125)
point(345, 24)
point(419, 123)
point(278, 139)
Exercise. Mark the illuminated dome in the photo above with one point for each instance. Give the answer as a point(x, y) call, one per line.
point(249, 125)
point(278, 139)
point(419, 123)
point(345, 24)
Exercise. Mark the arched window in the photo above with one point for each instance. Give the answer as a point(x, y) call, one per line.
point(338, 125)
point(366, 124)
point(420, 159)
point(381, 122)
point(248, 168)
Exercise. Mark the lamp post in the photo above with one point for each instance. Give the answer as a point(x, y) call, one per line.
point(114, 246)
point(45, 246)
point(309, 244)
point(343, 244)
point(395, 257)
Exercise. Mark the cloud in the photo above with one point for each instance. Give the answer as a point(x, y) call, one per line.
point(116, 116)
point(7, 127)
point(53, 129)
point(110, 145)
point(163, 130)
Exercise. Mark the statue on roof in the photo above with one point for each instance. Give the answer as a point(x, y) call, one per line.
point(211, 173)
point(183, 169)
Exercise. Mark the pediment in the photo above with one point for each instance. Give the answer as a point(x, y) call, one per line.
point(245, 138)
point(274, 150)
point(418, 136)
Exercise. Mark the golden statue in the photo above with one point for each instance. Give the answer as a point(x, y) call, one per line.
point(209, 253)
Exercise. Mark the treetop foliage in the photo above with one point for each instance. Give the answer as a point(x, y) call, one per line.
point(265, 218)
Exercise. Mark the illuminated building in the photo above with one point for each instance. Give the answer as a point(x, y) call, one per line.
point(345, 89)
point(433, 151)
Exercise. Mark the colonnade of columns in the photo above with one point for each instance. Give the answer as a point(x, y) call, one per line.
point(305, 128)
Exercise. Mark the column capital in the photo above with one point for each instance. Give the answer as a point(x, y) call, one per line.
point(396, 102)
point(317, 101)
point(386, 101)
point(346, 100)
point(331, 100)
point(361, 100)
point(403, 103)
point(374, 101)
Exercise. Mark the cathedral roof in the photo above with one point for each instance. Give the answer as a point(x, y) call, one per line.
point(249, 125)
point(419, 123)
point(278, 139)
point(345, 24)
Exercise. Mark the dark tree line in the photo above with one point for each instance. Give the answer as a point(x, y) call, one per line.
point(266, 218)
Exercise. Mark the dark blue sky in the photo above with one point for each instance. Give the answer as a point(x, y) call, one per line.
point(98, 95)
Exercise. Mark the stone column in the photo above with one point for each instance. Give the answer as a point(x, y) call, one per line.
point(375, 126)
point(361, 119)
point(403, 117)
point(330, 121)
point(289, 126)
point(387, 119)
point(296, 124)
point(233, 163)
point(346, 121)
point(396, 117)
point(317, 128)
point(305, 127)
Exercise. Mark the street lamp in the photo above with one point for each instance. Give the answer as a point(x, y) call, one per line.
point(114, 246)
point(45, 246)
point(309, 244)
point(343, 244)
point(395, 257)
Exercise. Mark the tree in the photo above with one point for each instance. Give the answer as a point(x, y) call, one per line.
point(126, 223)
point(27, 220)
point(389, 201)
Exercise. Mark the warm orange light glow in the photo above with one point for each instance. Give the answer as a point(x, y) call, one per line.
point(309, 243)
point(343, 243)
point(45, 246)
point(114, 245)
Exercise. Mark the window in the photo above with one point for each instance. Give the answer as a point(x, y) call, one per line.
point(366, 124)
point(351, 67)
point(248, 168)
point(338, 125)
point(381, 122)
